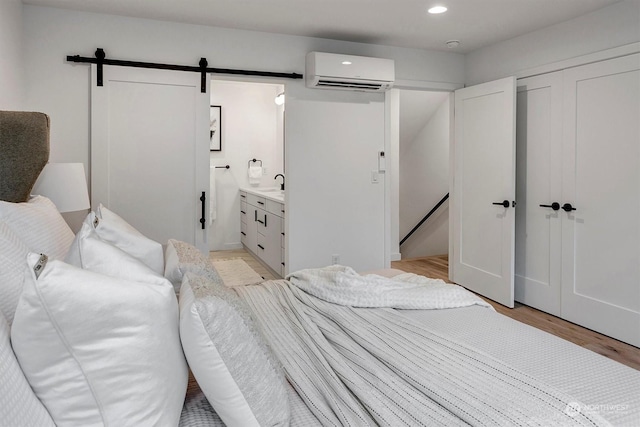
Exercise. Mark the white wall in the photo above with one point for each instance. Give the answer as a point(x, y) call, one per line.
point(251, 128)
point(333, 207)
point(424, 171)
point(11, 63)
point(63, 91)
point(612, 26)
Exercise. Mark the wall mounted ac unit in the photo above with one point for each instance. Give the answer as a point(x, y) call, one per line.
point(348, 72)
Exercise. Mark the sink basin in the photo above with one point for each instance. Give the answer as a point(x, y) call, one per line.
point(271, 190)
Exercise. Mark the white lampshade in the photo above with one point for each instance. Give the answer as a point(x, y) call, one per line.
point(65, 184)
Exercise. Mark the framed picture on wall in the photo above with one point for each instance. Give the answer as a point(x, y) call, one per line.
point(215, 128)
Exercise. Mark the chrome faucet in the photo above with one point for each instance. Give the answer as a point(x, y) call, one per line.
point(281, 185)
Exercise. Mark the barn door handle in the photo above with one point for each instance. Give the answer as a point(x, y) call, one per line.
point(568, 208)
point(555, 206)
point(504, 203)
point(202, 200)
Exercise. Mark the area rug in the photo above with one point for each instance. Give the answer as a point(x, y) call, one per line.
point(236, 272)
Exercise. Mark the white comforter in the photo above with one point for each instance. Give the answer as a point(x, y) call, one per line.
point(363, 366)
point(342, 285)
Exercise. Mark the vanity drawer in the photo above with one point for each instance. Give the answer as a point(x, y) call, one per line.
point(257, 201)
point(275, 208)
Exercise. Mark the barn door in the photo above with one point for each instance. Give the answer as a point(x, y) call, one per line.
point(483, 193)
point(150, 151)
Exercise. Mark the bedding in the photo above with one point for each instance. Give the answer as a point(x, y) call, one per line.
point(39, 225)
point(342, 285)
point(19, 406)
point(112, 228)
point(13, 254)
point(357, 366)
point(100, 350)
point(181, 258)
point(235, 368)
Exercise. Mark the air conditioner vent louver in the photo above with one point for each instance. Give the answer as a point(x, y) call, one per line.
point(349, 85)
point(348, 72)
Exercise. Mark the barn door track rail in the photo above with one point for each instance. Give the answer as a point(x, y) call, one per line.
point(202, 68)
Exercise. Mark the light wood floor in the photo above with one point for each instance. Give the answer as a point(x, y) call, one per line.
point(437, 267)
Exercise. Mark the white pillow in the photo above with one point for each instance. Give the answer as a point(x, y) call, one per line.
point(99, 350)
point(39, 225)
point(13, 258)
point(19, 406)
point(90, 252)
point(181, 257)
point(228, 356)
point(115, 230)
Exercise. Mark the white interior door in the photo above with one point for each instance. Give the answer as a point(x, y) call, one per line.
point(483, 178)
point(150, 150)
point(601, 180)
point(538, 187)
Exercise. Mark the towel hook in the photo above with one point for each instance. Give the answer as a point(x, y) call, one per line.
point(254, 160)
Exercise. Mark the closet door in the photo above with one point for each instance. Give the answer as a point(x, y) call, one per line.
point(601, 181)
point(150, 150)
point(538, 187)
point(483, 194)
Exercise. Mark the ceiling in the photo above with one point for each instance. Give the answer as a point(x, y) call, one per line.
point(403, 23)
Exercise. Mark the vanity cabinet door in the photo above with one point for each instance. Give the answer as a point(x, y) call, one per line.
point(272, 230)
point(251, 229)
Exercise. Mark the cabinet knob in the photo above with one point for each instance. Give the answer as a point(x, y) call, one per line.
point(568, 208)
point(504, 203)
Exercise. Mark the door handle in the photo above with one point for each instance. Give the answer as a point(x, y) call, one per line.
point(568, 208)
point(202, 199)
point(504, 203)
point(555, 206)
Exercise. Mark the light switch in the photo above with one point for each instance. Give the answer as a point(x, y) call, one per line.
point(375, 177)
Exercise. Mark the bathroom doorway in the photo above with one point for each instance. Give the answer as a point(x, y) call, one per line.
point(251, 126)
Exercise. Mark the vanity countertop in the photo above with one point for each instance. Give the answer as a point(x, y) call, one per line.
point(271, 193)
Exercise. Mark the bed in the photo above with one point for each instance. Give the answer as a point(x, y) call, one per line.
point(92, 334)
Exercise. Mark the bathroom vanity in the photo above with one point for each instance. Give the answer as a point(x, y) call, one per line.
point(262, 226)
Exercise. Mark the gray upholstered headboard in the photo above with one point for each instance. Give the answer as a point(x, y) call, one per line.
point(24, 151)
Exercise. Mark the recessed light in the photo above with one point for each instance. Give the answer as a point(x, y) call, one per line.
point(452, 44)
point(346, 62)
point(437, 9)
